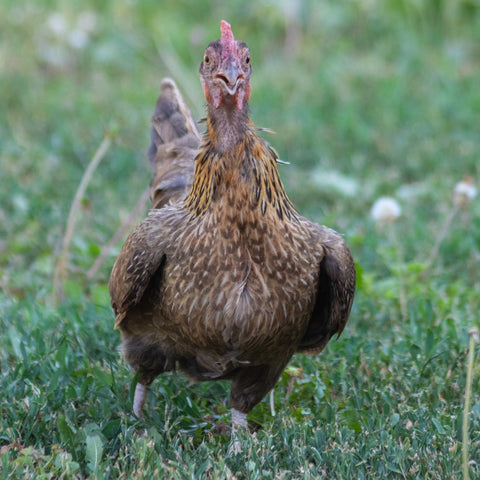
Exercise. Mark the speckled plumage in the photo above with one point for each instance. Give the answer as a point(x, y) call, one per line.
point(226, 280)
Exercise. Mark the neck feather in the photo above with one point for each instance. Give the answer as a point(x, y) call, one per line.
point(226, 126)
point(236, 167)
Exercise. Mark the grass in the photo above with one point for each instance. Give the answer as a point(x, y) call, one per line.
point(371, 99)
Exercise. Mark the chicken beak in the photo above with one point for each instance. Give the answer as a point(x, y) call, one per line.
point(231, 78)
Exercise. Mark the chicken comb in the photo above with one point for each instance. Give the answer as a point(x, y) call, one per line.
point(227, 41)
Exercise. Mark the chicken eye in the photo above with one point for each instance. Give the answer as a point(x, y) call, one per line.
point(247, 61)
point(206, 59)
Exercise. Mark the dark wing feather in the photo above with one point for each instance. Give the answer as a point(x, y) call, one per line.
point(138, 263)
point(336, 287)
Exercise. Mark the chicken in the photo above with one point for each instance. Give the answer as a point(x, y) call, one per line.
point(224, 279)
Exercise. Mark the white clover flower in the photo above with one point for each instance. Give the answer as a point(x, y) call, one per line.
point(78, 38)
point(475, 334)
point(61, 35)
point(57, 24)
point(385, 210)
point(335, 181)
point(464, 192)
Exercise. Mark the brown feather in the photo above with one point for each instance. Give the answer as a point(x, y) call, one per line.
point(226, 280)
point(175, 141)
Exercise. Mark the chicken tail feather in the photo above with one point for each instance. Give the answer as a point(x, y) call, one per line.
point(175, 140)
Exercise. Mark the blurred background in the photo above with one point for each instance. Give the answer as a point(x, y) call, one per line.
point(368, 98)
